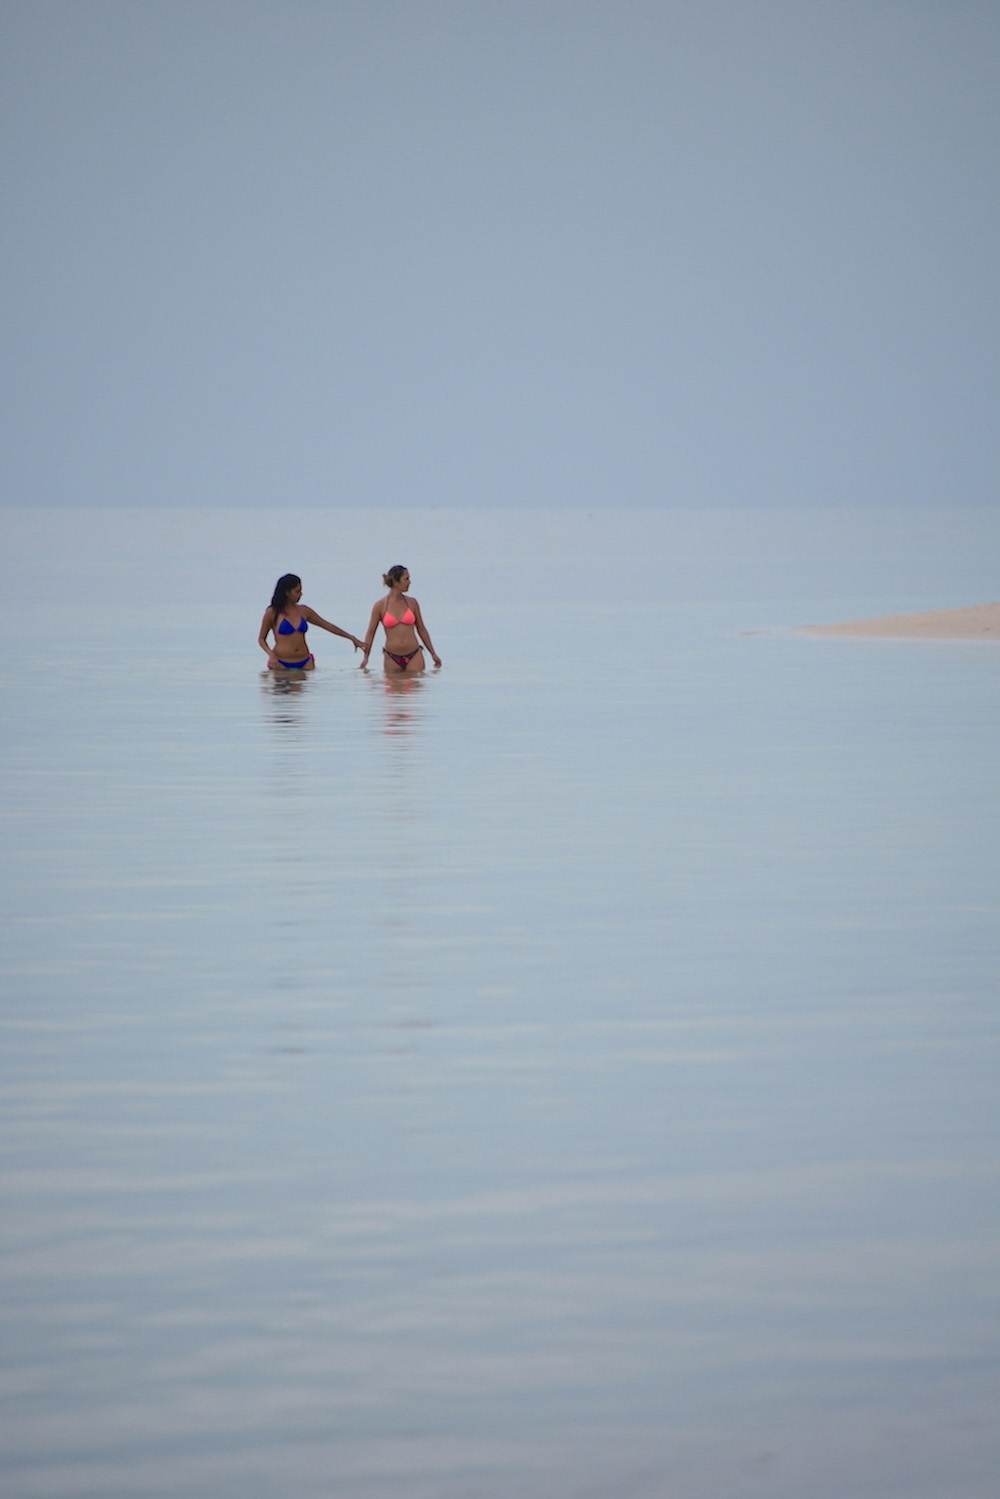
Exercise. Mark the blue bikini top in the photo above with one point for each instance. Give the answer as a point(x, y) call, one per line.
point(286, 629)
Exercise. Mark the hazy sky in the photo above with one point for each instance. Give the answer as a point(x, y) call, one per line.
point(500, 252)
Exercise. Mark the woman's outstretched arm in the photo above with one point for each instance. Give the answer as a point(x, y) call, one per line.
point(324, 624)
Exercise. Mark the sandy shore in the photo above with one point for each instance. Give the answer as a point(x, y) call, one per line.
point(980, 622)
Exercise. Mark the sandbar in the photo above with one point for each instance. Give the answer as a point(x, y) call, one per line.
point(978, 622)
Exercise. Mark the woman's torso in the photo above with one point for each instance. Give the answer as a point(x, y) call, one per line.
point(399, 622)
point(290, 636)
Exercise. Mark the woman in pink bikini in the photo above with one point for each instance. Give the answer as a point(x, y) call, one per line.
point(288, 619)
point(403, 622)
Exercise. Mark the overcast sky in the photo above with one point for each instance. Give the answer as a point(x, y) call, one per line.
point(500, 252)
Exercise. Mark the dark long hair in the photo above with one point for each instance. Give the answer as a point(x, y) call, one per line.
point(392, 577)
point(282, 589)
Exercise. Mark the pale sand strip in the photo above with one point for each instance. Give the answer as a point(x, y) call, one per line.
point(980, 622)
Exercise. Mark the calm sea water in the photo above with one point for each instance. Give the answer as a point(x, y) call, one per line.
point(569, 1074)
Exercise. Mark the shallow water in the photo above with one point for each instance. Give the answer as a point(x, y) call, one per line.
point(571, 1073)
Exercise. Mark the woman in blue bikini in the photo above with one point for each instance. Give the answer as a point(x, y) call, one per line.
point(403, 623)
point(288, 620)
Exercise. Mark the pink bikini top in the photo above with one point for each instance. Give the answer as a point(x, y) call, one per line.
point(409, 618)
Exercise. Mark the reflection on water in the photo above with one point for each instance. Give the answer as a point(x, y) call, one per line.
point(285, 684)
point(400, 700)
point(506, 1081)
point(284, 699)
